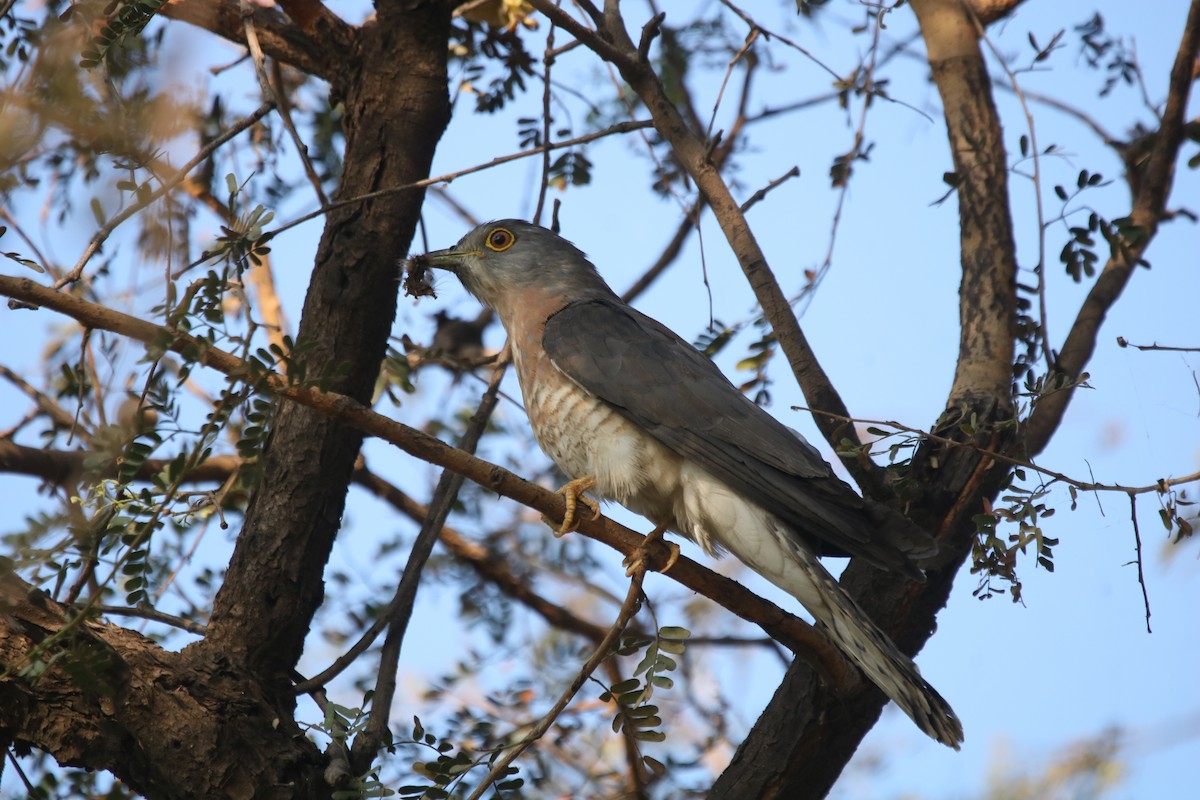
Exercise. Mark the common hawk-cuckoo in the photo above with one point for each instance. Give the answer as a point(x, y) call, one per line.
point(635, 414)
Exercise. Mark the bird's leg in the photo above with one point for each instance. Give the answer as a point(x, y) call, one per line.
point(573, 496)
point(635, 559)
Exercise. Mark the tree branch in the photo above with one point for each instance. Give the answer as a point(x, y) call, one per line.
point(323, 56)
point(788, 629)
point(487, 565)
point(1149, 206)
point(987, 296)
point(59, 467)
point(989, 11)
point(142, 708)
point(375, 734)
point(614, 45)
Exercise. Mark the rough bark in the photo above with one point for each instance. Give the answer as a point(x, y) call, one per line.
point(216, 720)
point(167, 724)
point(396, 101)
point(322, 53)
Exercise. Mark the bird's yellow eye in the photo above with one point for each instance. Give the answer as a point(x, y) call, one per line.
point(500, 240)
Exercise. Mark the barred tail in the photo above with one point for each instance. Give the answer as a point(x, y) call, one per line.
point(798, 572)
point(889, 669)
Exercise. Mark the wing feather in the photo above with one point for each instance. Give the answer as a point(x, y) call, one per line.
point(655, 379)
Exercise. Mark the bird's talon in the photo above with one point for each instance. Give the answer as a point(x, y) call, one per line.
point(671, 559)
point(637, 559)
point(573, 496)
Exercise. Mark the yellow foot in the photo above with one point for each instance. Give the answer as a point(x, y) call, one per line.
point(637, 559)
point(573, 496)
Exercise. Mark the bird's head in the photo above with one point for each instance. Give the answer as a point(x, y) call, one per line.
point(503, 261)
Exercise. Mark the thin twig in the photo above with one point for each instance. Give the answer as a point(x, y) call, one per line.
point(488, 565)
point(620, 127)
point(602, 651)
point(1123, 342)
point(761, 194)
point(423, 544)
point(1043, 314)
point(733, 62)
point(848, 159)
point(191, 626)
point(1087, 486)
point(547, 61)
point(1069, 110)
point(399, 611)
point(204, 152)
point(773, 35)
point(45, 404)
point(1137, 543)
point(671, 252)
point(269, 94)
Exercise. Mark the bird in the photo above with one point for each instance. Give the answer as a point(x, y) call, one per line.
point(632, 413)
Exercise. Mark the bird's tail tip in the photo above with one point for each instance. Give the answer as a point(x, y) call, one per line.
point(940, 723)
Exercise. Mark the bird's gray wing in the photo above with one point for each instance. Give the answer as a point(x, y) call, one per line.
point(655, 379)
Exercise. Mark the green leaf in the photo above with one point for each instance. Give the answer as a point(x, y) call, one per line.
point(656, 767)
point(97, 211)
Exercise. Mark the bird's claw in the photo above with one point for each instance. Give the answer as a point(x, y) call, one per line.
point(573, 496)
point(637, 559)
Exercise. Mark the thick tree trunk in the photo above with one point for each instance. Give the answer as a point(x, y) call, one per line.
point(807, 734)
point(216, 720)
point(396, 107)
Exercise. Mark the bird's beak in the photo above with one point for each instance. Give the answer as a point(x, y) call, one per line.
point(448, 259)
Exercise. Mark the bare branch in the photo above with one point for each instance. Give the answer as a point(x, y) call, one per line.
point(1137, 543)
point(987, 299)
point(487, 565)
point(761, 194)
point(154, 615)
point(57, 414)
point(1121, 342)
point(270, 96)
